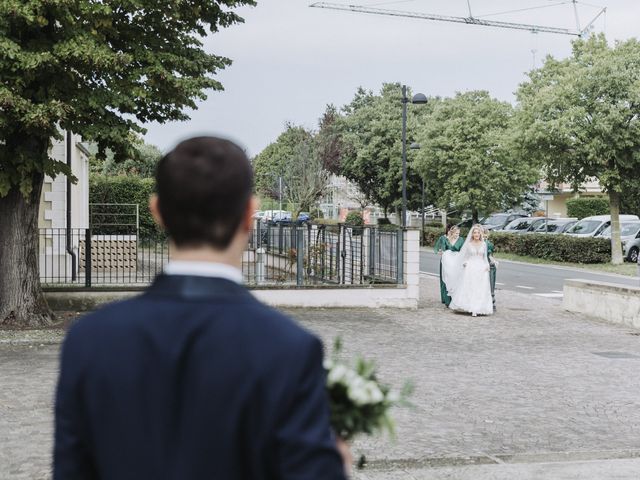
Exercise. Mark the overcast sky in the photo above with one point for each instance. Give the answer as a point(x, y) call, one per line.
point(290, 61)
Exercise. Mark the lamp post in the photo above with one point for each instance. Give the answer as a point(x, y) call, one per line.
point(418, 99)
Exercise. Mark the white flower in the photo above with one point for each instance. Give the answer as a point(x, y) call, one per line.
point(375, 394)
point(393, 396)
point(339, 374)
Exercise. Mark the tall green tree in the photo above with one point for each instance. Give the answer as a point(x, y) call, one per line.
point(371, 145)
point(100, 70)
point(306, 178)
point(466, 157)
point(581, 118)
point(272, 163)
point(143, 164)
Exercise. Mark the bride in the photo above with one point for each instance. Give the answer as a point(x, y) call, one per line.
point(467, 276)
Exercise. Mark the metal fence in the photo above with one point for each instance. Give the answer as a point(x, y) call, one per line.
point(276, 254)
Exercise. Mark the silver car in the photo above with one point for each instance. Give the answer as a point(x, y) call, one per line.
point(630, 237)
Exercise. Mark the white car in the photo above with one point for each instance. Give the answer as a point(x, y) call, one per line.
point(630, 237)
point(593, 226)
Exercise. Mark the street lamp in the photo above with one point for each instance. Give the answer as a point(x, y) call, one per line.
point(418, 99)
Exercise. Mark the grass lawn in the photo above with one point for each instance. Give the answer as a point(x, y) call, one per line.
point(630, 269)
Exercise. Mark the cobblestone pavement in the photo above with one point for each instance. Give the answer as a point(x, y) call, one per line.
point(531, 392)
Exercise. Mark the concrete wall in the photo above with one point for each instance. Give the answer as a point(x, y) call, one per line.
point(54, 262)
point(608, 301)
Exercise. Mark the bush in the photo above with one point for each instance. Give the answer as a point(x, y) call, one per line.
point(354, 218)
point(124, 189)
point(558, 248)
point(587, 207)
point(430, 235)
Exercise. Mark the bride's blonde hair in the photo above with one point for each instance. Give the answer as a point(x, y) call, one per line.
point(480, 230)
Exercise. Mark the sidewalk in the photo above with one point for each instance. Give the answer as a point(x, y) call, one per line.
point(529, 393)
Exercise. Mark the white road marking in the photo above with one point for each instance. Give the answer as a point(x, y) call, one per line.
point(549, 295)
point(428, 274)
point(557, 291)
point(498, 283)
point(525, 287)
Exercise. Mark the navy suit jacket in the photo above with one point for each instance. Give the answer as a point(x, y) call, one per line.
point(194, 379)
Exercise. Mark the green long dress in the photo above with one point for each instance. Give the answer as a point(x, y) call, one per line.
point(444, 244)
point(492, 272)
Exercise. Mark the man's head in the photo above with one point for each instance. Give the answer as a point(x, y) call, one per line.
point(204, 194)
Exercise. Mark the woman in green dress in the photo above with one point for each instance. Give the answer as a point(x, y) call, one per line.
point(450, 241)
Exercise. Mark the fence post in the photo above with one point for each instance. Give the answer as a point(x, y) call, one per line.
point(87, 258)
point(372, 252)
point(400, 259)
point(338, 276)
point(299, 255)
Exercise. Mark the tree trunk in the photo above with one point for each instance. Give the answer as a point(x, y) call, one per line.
point(22, 302)
point(616, 244)
point(474, 215)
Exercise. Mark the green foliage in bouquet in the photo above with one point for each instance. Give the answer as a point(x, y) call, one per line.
point(359, 402)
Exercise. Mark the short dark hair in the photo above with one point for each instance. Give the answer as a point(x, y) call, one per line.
point(204, 185)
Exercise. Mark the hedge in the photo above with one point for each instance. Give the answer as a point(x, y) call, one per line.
point(559, 248)
point(124, 189)
point(354, 217)
point(587, 207)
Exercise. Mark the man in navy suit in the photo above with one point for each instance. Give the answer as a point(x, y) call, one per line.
point(195, 379)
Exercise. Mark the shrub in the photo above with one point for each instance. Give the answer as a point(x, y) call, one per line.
point(430, 235)
point(354, 218)
point(124, 189)
point(559, 248)
point(587, 207)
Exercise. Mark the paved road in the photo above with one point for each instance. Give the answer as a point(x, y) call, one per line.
point(531, 393)
point(540, 280)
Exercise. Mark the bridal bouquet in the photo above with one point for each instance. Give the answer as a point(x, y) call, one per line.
point(359, 402)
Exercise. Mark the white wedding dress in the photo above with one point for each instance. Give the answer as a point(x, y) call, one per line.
point(469, 285)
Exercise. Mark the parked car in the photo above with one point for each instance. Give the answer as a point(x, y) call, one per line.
point(631, 249)
point(303, 217)
point(523, 225)
point(629, 233)
point(593, 226)
point(276, 215)
point(258, 214)
point(555, 225)
point(498, 221)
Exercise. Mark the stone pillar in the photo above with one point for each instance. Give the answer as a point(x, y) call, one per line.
point(412, 263)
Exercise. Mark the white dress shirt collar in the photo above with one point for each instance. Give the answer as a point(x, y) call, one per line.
point(203, 269)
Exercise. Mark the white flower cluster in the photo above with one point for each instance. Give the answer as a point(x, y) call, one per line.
point(359, 390)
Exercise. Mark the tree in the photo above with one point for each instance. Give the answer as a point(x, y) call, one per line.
point(466, 159)
point(294, 158)
point(370, 132)
point(580, 117)
point(530, 201)
point(328, 141)
point(275, 159)
point(305, 178)
point(100, 70)
point(143, 164)
point(630, 196)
